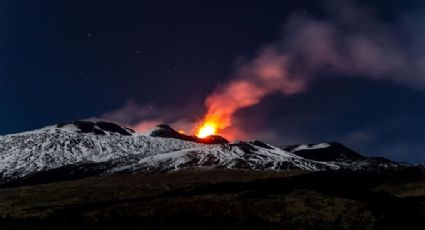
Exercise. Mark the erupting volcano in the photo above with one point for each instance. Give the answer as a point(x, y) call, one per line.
point(207, 129)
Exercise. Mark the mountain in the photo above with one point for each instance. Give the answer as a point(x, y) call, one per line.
point(106, 176)
point(342, 156)
point(88, 148)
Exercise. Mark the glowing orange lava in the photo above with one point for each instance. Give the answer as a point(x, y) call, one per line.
point(207, 129)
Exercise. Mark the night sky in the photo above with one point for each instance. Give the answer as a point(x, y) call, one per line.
point(78, 59)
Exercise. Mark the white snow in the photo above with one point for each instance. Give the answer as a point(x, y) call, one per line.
point(310, 147)
point(51, 147)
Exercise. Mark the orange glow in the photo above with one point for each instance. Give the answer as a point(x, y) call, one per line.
point(181, 131)
point(207, 129)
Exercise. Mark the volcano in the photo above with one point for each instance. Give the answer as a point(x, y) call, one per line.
point(88, 148)
point(107, 176)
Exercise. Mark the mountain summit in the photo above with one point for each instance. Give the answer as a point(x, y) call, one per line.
point(97, 127)
point(164, 130)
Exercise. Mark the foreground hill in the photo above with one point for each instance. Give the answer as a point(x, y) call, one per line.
point(222, 199)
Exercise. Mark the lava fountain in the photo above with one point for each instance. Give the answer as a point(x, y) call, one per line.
point(207, 129)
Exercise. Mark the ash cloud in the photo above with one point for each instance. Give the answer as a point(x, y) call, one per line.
point(352, 42)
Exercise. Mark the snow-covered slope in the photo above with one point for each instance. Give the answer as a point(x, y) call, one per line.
point(104, 147)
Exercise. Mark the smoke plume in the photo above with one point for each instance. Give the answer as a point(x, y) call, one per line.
point(352, 42)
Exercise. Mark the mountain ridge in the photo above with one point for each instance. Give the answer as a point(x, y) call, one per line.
point(88, 148)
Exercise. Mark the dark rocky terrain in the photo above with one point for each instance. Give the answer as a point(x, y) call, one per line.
point(222, 199)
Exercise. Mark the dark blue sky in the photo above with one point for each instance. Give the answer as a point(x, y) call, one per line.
point(68, 60)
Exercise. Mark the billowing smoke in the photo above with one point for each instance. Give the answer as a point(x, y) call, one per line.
point(351, 43)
